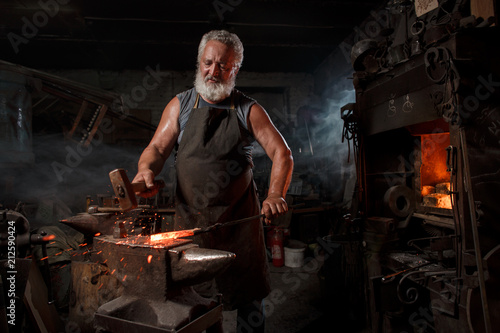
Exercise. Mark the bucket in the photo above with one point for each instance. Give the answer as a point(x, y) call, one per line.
point(294, 253)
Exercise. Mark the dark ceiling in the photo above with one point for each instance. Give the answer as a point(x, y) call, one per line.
point(279, 35)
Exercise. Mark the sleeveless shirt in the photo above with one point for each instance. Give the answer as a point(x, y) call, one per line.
point(242, 104)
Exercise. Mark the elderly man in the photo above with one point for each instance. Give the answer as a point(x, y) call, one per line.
point(212, 126)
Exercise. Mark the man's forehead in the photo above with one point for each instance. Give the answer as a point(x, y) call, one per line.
point(216, 49)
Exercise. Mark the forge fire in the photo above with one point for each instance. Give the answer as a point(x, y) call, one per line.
point(434, 173)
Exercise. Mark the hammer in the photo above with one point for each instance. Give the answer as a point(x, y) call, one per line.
point(125, 190)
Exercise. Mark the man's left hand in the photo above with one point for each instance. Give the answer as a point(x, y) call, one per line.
point(274, 206)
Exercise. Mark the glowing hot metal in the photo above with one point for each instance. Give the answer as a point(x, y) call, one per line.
point(173, 235)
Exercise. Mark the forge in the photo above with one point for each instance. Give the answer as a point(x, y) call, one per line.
point(427, 166)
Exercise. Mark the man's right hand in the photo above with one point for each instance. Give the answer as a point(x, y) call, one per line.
point(147, 177)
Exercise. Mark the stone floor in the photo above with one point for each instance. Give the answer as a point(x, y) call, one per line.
point(297, 303)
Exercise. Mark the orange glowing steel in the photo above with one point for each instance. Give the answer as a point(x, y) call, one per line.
point(172, 235)
point(48, 238)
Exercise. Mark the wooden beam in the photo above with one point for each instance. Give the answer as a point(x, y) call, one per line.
point(79, 116)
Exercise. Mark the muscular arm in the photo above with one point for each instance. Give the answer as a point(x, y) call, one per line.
point(156, 153)
point(282, 162)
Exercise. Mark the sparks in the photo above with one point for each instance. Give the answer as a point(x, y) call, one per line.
point(149, 258)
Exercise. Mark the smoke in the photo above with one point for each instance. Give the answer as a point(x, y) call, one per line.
point(65, 172)
point(321, 156)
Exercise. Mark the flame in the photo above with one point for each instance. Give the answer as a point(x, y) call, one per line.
point(433, 172)
point(171, 235)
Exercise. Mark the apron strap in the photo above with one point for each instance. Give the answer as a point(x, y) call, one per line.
point(197, 101)
point(232, 101)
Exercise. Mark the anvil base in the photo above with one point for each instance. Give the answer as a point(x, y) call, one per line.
point(186, 312)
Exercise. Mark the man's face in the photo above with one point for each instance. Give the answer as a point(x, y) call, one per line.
point(216, 75)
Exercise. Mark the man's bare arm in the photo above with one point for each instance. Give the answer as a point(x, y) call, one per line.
point(157, 152)
point(280, 154)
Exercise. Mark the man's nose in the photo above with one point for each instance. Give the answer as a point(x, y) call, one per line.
point(214, 70)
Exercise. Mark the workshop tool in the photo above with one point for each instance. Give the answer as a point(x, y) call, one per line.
point(157, 280)
point(197, 231)
point(125, 190)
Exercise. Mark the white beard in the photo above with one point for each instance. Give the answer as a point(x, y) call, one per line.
point(213, 92)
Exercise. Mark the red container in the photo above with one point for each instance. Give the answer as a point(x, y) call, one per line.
point(277, 249)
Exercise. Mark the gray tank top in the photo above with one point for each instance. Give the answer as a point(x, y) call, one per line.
point(242, 104)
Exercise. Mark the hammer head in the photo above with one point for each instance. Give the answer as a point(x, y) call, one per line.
point(123, 189)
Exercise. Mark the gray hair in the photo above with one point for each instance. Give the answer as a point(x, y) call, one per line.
point(225, 37)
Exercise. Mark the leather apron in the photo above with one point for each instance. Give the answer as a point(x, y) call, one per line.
point(215, 185)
